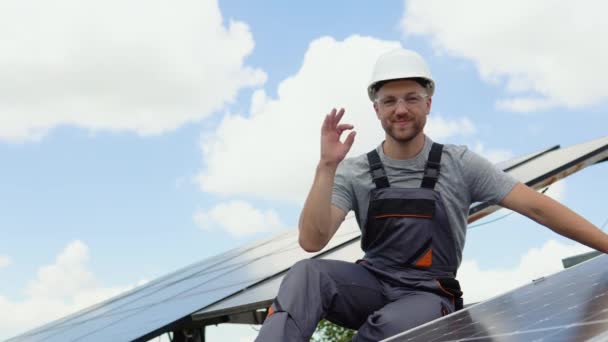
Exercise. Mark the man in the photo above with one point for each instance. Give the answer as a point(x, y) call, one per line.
point(411, 198)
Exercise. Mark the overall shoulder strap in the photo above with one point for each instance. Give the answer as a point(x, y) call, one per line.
point(431, 170)
point(377, 170)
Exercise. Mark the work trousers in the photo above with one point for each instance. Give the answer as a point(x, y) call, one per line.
point(349, 295)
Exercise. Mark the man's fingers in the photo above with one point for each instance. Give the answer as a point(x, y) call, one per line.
point(326, 126)
point(332, 118)
point(342, 127)
point(350, 139)
point(339, 115)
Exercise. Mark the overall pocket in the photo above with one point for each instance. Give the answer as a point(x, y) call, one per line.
point(401, 230)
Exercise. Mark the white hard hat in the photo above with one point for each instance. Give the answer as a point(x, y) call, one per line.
point(398, 64)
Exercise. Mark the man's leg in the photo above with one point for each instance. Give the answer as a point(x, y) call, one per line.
point(412, 310)
point(313, 289)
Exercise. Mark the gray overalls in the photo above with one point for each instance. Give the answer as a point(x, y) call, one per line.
point(406, 278)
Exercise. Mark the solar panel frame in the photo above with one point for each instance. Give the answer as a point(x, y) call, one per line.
point(508, 165)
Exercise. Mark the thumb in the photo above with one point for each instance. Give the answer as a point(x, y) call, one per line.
point(350, 139)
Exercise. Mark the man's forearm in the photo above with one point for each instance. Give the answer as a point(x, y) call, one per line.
point(315, 220)
point(555, 216)
point(566, 222)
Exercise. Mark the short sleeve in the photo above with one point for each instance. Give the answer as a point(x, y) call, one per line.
point(486, 182)
point(342, 193)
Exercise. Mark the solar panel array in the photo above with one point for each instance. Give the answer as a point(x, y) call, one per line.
point(247, 278)
point(571, 305)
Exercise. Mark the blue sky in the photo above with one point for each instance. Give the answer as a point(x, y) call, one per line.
point(130, 134)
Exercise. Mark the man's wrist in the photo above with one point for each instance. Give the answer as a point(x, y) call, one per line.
point(327, 165)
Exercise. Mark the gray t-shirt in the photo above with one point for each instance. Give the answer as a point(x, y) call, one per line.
point(465, 178)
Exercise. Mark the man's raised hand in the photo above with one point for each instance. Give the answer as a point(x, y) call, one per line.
point(333, 151)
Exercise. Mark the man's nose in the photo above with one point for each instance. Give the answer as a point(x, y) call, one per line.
point(401, 106)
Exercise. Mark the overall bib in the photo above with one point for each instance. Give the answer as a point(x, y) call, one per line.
point(406, 278)
point(407, 237)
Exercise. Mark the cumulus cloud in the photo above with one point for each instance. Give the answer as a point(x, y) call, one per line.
point(238, 218)
point(4, 261)
point(59, 289)
point(439, 128)
point(65, 276)
point(272, 151)
point(139, 66)
point(480, 284)
point(495, 155)
point(545, 54)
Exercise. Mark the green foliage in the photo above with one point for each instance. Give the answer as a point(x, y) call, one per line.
point(329, 332)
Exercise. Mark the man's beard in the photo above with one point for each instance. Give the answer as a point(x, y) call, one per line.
point(403, 136)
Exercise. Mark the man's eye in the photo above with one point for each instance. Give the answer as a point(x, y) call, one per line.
point(412, 99)
point(389, 102)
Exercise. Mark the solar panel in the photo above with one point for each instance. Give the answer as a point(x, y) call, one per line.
point(148, 310)
point(260, 295)
point(571, 305)
point(117, 306)
point(247, 278)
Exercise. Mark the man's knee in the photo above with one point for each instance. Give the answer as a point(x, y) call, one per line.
point(305, 268)
point(313, 264)
point(305, 279)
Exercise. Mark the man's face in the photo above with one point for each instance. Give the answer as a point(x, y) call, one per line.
point(402, 107)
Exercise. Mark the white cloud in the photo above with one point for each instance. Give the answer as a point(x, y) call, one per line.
point(4, 261)
point(494, 155)
point(439, 128)
point(481, 284)
point(546, 54)
point(232, 332)
point(524, 104)
point(272, 152)
point(65, 276)
point(238, 218)
point(59, 289)
point(141, 66)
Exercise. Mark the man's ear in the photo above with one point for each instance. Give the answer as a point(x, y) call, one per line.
point(429, 102)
